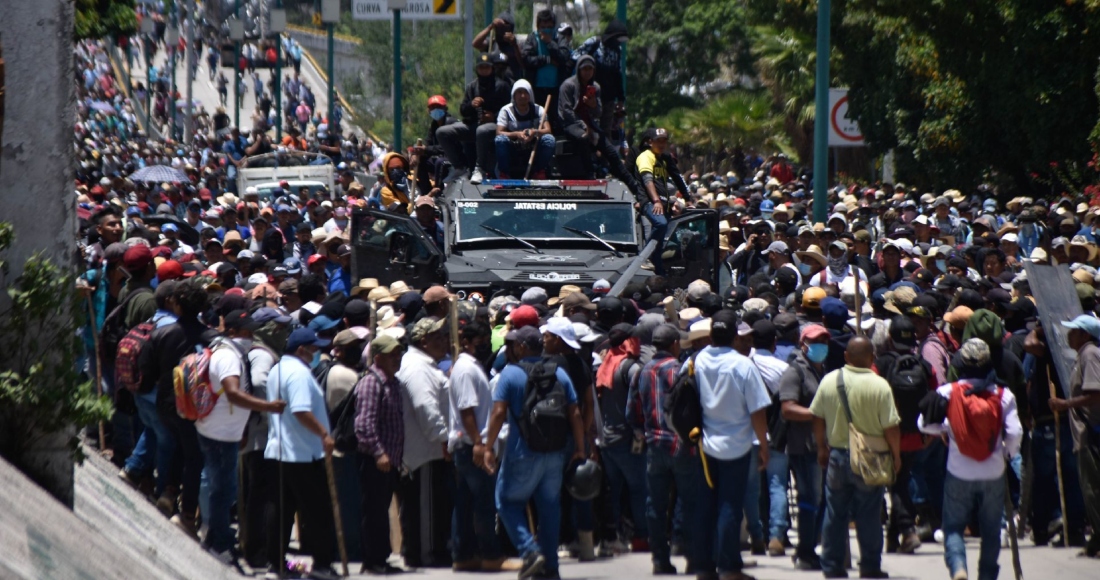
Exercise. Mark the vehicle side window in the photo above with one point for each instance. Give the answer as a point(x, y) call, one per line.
point(376, 233)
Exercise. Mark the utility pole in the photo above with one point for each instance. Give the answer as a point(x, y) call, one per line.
point(330, 15)
point(189, 57)
point(821, 111)
point(488, 14)
point(173, 47)
point(277, 26)
point(620, 13)
point(468, 39)
point(236, 30)
point(397, 80)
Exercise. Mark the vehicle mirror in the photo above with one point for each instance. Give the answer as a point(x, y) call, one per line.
point(400, 244)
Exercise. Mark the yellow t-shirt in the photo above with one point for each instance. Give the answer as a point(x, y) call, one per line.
point(870, 398)
point(649, 163)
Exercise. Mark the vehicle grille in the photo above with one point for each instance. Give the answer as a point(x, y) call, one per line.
point(554, 277)
point(530, 264)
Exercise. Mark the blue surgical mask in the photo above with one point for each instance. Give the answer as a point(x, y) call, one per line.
point(817, 352)
point(437, 114)
point(941, 265)
point(316, 359)
point(804, 269)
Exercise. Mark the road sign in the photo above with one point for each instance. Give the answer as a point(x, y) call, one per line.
point(414, 10)
point(843, 131)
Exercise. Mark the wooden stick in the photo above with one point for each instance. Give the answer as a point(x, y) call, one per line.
point(858, 306)
point(1016, 568)
point(1058, 463)
point(373, 329)
point(98, 369)
point(535, 146)
point(456, 348)
point(336, 513)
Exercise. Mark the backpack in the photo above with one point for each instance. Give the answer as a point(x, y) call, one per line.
point(195, 395)
point(908, 377)
point(342, 419)
point(321, 373)
point(682, 408)
point(543, 422)
point(976, 419)
point(114, 327)
point(613, 404)
point(127, 371)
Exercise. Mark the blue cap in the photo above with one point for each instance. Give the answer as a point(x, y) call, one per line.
point(170, 228)
point(133, 210)
point(285, 208)
point(834, 310)
point(1086, 322)
point(303, 337)
point(767, 206)
point(293, 266)
point(322, 323)
point(268, 314)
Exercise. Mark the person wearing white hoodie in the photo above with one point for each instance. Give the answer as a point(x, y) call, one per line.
point(976, 455)
point(521, 126)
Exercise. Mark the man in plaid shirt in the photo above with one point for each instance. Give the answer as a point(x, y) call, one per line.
point(380, 429)
point(669, 460)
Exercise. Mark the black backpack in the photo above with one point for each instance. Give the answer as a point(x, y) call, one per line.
point(321, 373)
point(342, 418)
point(683, 410)
point(613, 403)
point(908, 376)
point(544, 423)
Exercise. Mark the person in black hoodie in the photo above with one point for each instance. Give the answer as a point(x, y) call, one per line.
point(579, 108)
point(483, 99)
point(500, 37)
point(546, 62)
point(428, 158)
point(607, 50)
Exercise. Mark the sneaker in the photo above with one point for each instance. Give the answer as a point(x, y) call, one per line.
point(647, 265)
point(775, 548)
point(131, 479)
point(807, 564)
point(604, 550)
point(476, 177)
point(874, 574)
point(757, 547)
point(959, 575)
point(381, 570)
point(620, 547)
point(664, 569)
point(532, 565)
point(186, 524)
point(909, 543)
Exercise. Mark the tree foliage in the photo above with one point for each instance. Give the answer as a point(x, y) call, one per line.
point(41, 390)
point(103, 18)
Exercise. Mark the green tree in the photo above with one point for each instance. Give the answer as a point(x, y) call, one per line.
point(103, 18)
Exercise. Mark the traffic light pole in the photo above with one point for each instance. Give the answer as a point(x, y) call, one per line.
point(821, 112)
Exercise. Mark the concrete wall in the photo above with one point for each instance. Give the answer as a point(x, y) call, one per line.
point(36, 173)
point(348, 61)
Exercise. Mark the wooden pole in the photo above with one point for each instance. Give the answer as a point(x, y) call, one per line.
point(336, 513)
point(98, 369)
point(1058, 463)
point(535, 146)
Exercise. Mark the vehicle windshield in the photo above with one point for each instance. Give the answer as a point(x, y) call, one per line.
point(541, 219)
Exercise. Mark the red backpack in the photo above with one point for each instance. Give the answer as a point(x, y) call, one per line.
point(127, 370)
point(976, 419)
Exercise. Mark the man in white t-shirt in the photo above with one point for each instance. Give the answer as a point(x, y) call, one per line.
point(221, 431)
point(838, 268)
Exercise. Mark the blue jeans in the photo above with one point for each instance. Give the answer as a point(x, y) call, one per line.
point(926, 477)
point(960, 498)
point(220, 469)
point(719, 536)
point(156, 440)
point(807, 481)
point(848, 498)
point(1044, 492)
point(658, 229)
point(521, 478)
point(662, 470)
point(626, 469)
point(776, 474)
point(544, 151)
point(473, 525)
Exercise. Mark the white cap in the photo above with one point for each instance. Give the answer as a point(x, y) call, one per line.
point(257, 278)
point(563, 329)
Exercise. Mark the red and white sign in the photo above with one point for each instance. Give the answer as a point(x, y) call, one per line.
point(843, 131)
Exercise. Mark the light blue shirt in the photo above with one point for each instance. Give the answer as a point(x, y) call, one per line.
point(730, 390)
point(287, 439)
point(510, 389)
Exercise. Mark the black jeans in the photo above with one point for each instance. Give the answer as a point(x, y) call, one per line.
point(902, 510)
point(377, 492)
point(188, 440)
point(304, 490)
point(261, 504)
point(426, 506)
point(606, 149)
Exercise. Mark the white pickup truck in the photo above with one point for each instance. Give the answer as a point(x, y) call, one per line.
point(299, 168)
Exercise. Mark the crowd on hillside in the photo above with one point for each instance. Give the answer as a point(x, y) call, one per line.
point(892, 350)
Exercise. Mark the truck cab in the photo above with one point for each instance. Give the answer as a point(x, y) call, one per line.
point(514, 234)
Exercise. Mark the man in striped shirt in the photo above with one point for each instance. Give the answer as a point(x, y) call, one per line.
point(668, 459)
point(380, 429)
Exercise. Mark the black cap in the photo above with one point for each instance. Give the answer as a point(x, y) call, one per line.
point(903, 332)
point(619, 333)
point(240, 319)
point(356, 308)
point(723, 326)
point(665, 335)
point(763, 331)
point(609, 303)
point(786, 277)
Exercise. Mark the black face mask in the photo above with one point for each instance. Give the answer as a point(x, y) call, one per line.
point(483, 352)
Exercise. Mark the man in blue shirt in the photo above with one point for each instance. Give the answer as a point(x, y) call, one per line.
point(735, 402)
point(527, 474)
point(299, 439)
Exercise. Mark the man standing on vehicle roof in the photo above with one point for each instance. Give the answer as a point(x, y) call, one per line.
point(655, 167)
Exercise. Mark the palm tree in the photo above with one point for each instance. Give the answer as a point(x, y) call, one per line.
point(785, 63)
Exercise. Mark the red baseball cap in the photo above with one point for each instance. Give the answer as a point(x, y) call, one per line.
point(437, 101)
point(524, 316)
point(170, 270)
point(137, 258)
point(204, 194)
point(314, 259)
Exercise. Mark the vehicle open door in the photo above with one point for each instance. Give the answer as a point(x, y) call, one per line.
point(392, 247)
point(691, 249)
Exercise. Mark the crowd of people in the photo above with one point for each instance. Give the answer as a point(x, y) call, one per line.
point(893, 350)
